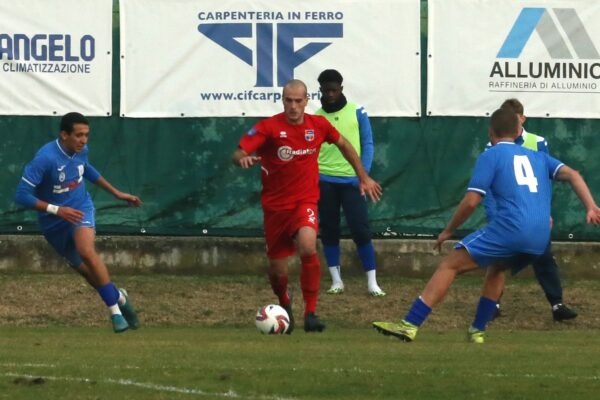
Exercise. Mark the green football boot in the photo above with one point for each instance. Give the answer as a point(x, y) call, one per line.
point(119, 323)
point(403, 330)
point(129, 312)
point(377, 293)
point(336, 289)
point(474, 335)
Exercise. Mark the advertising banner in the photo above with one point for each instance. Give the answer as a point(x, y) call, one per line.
point(545, 53)
point(196, 58)
point(55, 57)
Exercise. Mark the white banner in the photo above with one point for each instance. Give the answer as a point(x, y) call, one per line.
point(545, 53)
point(55, 57)
point(197, 58)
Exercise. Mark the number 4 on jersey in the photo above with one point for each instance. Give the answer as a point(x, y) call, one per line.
point(524, 173)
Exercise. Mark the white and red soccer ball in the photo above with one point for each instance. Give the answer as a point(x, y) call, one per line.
point(272, 320)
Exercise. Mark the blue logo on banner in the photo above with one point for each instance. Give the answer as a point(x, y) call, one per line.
point(539, 19)
point(287, 59)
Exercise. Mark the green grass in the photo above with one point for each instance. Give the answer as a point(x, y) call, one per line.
point(237, 362)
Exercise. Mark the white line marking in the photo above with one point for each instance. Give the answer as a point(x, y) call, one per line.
point(357, 370)
point(144, 385)
point(27, 365)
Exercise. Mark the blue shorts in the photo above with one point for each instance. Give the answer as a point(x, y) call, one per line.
point(485, 251)
point(61, 237)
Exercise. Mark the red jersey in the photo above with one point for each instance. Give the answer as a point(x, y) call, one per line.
point(290, 170)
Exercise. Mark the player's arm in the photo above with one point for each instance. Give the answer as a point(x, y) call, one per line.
point(367, 185)
point(583, 192)
point(464, 210)
point(25, 196)
point(479, 185)
point(366, 138)
point(134, 201)
point(243, 159)
point(249, 143)
point(33, 175)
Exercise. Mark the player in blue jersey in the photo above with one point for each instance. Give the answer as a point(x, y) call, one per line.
point(53, 184)
point(544, 267)
point(521, 182)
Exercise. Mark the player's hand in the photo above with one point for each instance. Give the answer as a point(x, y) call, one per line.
point(133, 201)
point(371, 188)
point(248, 161)
point(70, 214)
point(442, 237)
point(593, 216)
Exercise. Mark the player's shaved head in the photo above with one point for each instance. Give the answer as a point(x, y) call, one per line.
point(295, 98)
point(294, 84)
point(504, 123)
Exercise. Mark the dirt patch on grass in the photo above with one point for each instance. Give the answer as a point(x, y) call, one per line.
point(162, 300)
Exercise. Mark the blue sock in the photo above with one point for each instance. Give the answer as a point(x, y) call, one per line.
point(109, 294)
point(366, 253)
point(332, 255)
point(418, 313)
point(485, 312)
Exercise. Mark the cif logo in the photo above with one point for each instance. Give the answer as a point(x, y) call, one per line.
point(269, 48)
point(552, 35)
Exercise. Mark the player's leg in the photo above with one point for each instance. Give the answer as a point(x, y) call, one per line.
point(357, 218)
point(279, 247)
point(62, 240)
point(547, 274)
point(456, 262)
point(498, 307)
point(329, 224)
point(487, 306)
point(278, 278)
point(96, 273)
point(310, 276)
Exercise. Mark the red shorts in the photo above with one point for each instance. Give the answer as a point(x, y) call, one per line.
point(282, 226)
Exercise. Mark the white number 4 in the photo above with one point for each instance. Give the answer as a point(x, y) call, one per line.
point(524, 173)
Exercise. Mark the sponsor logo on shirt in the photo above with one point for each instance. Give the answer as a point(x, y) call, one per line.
point(286, 153)
point(309, 135)
point(283, 134)
point(67, 187)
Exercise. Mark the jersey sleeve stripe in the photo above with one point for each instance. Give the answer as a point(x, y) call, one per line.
point(556, 170)
point(471, 189)
point(29, 183)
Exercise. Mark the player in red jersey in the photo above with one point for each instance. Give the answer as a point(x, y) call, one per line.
point(287, 147)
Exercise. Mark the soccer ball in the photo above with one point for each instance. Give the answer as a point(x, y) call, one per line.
point(272, 320)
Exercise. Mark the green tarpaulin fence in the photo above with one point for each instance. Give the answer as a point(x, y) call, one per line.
point(182, 170)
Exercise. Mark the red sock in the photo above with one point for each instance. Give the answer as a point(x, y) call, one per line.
point(310, 280)
point(279, 283)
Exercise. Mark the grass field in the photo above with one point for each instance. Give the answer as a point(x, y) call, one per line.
point(198, 341)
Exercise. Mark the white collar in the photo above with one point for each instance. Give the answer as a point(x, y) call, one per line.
point(62, 151)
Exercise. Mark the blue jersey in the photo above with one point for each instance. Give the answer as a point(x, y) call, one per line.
point(57, 178)
point(520, 180)
point(529, 141)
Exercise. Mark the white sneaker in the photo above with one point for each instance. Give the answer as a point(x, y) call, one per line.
point(336, 288)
